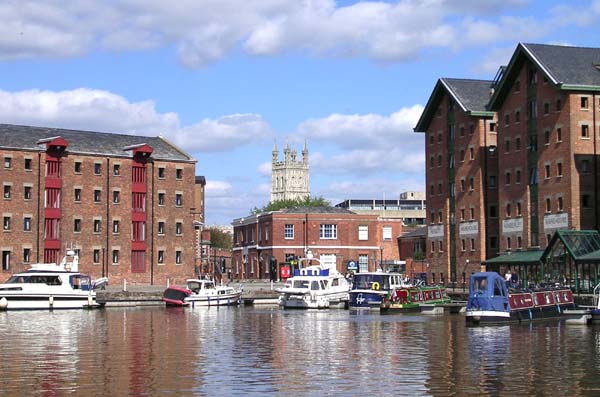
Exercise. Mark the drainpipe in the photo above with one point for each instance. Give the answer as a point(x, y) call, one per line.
point(485, 189)
point(39, 209)
point(152, 229)
point(595, 162)
point(108, 226)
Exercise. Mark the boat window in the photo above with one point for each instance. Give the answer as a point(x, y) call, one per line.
point(480, 284)
point(17, 280)
point(314, 285)
point(323, 286)
point(209, 286)
point(335, 282)
point(193, 286)
point(300, 284)
point(497, 288)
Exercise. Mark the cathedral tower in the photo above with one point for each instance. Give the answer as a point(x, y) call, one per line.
point(289, 178)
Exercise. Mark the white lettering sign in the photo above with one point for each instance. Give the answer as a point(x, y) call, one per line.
point(468, 228)
point(512, 225)
point(436, 231)
point(556, 221)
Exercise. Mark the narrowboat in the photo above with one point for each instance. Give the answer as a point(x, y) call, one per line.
point(491, 302)
point(414, 299)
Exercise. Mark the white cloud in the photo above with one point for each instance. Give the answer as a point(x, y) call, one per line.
point(365, 131)
point(264, 169)
point(493, 59)
point(98, 110)
point(217, 189)
point(370, 143)
point(205, 32)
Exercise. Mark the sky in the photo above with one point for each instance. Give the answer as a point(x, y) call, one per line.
point(226, 79)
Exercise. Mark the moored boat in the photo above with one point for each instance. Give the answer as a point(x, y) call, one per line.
point(370, 288)
point(50, 286)
point(414, 299)
point(313, 287)
point(202, 292)
point(491, 302)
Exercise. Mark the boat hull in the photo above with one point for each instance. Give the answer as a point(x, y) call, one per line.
point(366, 299)
point(308, 301)
point(477, 317)
point(47, 302)
point(217, 300)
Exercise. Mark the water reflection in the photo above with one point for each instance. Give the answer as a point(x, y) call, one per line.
point(234, 351)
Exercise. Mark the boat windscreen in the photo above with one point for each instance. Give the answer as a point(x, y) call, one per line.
point(366, 281)
point(480, 284)
point(300, 284)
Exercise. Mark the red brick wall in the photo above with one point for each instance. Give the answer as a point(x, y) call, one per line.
point(569, 152)
point(269, 236)
point(107, 211)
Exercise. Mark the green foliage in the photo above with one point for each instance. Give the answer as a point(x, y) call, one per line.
point(281, 204)
point(220, 239)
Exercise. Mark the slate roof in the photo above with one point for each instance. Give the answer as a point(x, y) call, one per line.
point(87, 142)
point(567, 68)
point(568, 65)
point(472, 96)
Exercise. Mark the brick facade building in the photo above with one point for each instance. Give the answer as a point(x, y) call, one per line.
point(334, 235)
point(125, 202)
point(548, 106)
point(459, 132)
point(530, 160)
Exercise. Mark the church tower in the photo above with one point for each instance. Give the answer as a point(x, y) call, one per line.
point(289, 178)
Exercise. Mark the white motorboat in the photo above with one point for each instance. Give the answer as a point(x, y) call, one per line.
point(202, 292)
point(313, 287)
point(50, 286)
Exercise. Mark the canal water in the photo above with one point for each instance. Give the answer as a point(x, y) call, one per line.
point(157, 351)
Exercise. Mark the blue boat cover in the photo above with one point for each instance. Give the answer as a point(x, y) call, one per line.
point(488, 291)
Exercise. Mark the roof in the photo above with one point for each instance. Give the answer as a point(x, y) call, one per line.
point(87, 142)
point(568, 68)
point(516, 257)
point(472, 96)
point(581, 245)
point(418, 232)
point(316, 210)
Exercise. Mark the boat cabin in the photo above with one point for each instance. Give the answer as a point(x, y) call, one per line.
point(377, 281)
point(198, 285)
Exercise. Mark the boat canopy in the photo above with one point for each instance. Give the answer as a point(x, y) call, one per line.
point(487, 291)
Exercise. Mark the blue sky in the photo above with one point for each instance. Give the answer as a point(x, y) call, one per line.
point(224, 79)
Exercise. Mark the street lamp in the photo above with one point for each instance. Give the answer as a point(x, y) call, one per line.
point(381, 257)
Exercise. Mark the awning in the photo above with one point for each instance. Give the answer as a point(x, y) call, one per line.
point(529, 257)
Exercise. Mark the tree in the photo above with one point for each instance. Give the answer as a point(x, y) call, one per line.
point(220, 239)
point(299, 202)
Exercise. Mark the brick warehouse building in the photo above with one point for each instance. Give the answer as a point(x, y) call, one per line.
point(548, 107)
point(540, 166)
point(459, 131)
point(334, 235)
point(127, 203)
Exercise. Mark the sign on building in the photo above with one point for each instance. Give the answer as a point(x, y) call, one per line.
point(510, 226)
point(556, 221)
point(435, 231)
point(468, 228)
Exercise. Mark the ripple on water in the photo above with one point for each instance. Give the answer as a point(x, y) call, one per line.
point(264, 350)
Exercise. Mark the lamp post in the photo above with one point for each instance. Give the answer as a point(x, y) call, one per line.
point(381, 257)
